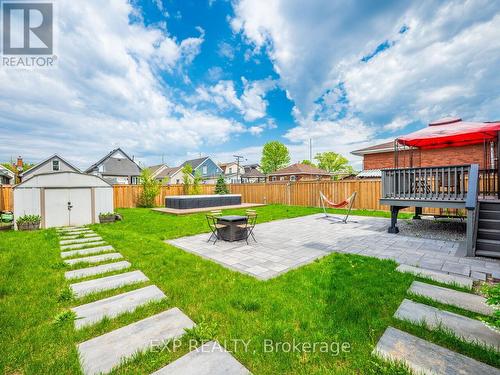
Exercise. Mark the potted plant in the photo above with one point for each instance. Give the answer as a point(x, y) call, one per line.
point(107, 217)
point(28, 222)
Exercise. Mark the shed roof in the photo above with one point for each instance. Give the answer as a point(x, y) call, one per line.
point(63, 180)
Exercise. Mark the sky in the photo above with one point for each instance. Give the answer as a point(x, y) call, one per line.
point(171, 80)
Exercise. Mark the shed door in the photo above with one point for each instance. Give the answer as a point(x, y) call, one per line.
point(67, 207)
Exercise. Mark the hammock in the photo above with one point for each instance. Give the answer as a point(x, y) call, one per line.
point(347, 202)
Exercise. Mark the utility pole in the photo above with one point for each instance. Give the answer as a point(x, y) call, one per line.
point(310, 150)
point(238, 158)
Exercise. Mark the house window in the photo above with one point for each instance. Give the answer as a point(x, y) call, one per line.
point(282, 178)
point(135, 180)
point(55, 165)
point(293, 178)
point(205, 169)
point(230, 170)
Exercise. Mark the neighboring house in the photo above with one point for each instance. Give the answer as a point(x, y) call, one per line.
point(117, 168)
point(208, 169)
point(253, 176)
point(232, 172)
point(299, 172)
point(52, 164)
point(173, 175)
point(7, 177)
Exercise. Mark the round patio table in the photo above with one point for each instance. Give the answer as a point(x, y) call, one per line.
point(231, 230)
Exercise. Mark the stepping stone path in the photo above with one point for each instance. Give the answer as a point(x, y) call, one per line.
point(103, 353)
point(466, 301)
point(209, 359)
point(470, 330)
point(85, 272)
point(424, 357)
point(442, 277)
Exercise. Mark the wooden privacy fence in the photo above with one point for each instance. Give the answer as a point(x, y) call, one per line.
point(6, 198)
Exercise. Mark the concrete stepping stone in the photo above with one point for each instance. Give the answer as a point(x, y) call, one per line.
point(466, 301)
point(441, 277)
point(111, 307)
point(82, 245)
point(423, 357)
point(209, 359)
point(70, 229)
point(94, 258)
point(90, 250)
point(76, 233)
point(106, 283)
point(470, 330)
point(80, 240)
point(103, 353)
point(85, 235)
point(90, 271)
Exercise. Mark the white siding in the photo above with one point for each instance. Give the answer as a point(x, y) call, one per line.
point(47, 168)
point(26, 202)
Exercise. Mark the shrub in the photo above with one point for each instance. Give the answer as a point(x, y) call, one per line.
point(150, 189)
point(187, 171)
point(31, 219)
point(107, 214)
point(492, 293)
point(196, 188)
point(221, 187)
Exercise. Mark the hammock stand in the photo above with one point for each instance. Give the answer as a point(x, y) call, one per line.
point(347, 202)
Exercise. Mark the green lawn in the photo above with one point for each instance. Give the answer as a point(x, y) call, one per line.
point(338, 299)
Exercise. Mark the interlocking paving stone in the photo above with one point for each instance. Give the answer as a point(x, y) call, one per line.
point(80, 240)
point(82, 245)
point(468, 329)
point(90, 271)
point(111, 307)
point(466, 301)
point(94, 258)
point(90, 250)
point(84, 235)
point(427, 358)
point(101, 354)
point(209, 359)
point(105, 283)
point(454, 267)
point(441, 277)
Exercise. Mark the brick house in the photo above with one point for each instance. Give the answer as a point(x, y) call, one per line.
point(299, 172)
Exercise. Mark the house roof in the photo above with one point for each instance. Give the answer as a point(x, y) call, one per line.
point(6, 172)
point(253, 173)
point(167, 172)
point(116, 166)
point(300, 169)
point(156, 168)
point(375, 149)
point(370, 173)
point(195, 163)
point(55, 156)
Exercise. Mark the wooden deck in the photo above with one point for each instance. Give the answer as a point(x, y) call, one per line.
point(176, 211)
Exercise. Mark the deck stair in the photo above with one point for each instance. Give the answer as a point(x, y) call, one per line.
point(488, 230)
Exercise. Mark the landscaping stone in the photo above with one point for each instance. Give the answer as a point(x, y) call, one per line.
point(105, 283)
point(90, 271)
point(209, 359)
point(466, 301)
point(476, 275)
point(111, 307)
point(90, 250)
point(82, 245)
point(101, 354)
point(80, 240)
point(441, 277)
point(94, 258)
point(423, 357)
point(470, 330)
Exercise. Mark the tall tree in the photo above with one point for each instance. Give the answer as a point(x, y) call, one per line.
point(308, 162)
point(333, 162)
point(275, 155)
point(150, 188)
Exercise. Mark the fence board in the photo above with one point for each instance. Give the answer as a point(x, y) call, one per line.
point(6, 198)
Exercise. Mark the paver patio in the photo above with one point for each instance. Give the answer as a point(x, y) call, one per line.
point(286, 244)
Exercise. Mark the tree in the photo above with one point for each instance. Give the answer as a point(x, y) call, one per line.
point(187, 174)
point(221, 187)
point(196, 188)
point(275, 156)
point(150, 188)
point(308, 162)
point(333, 162)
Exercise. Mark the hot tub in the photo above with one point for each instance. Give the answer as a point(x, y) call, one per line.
point(184, 202)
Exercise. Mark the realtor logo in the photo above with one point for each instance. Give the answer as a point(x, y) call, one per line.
point(27, 28)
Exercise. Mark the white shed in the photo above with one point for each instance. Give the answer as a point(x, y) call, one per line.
point(63, 198)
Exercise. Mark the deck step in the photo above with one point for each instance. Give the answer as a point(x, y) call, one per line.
point(469, 330)
point(103, 353)
point(82, 245)
point(209, 359)
point(94, 258)
point(90, 250)
point(489, 214)
point(111, 307)
point(466, 301)
point(490, 206)
point(91, 271)
point(438, 276)
point(489, 254)
point(106, 283)
point(488, 234)
point(83, 235)
point(487, 245)
point(489, 223)
point(73, 241)
point(423, 357)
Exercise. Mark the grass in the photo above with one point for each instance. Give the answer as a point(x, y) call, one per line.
point(338, 299)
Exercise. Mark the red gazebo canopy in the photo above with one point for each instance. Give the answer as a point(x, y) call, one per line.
point(451, 132)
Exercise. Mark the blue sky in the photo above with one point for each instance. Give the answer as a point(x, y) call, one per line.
point(170, 80)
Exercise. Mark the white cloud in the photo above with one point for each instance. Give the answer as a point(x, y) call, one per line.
point(226, 50)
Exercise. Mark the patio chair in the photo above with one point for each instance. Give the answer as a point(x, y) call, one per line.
point(214, 226)
point(250, 224)
point(347, 202)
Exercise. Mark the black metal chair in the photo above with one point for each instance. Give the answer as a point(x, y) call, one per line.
point(249, 225)
point(214, 225)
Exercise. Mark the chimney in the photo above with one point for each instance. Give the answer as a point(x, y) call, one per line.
point(19, 164)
